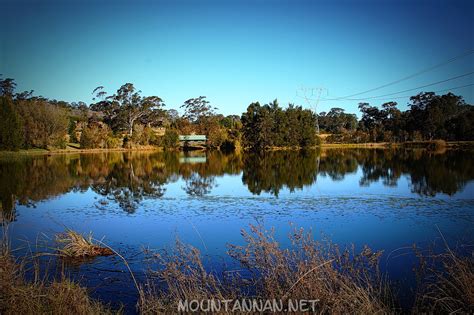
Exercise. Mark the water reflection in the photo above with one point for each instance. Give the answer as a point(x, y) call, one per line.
point(129, 178)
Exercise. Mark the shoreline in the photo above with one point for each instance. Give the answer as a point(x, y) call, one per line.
point(69, 151)
point(368, 145)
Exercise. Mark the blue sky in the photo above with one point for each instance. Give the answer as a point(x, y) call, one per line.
point(236, 52)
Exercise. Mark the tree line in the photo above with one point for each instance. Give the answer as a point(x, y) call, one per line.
point(428, 117)
point(124, 119)
point(128, 119)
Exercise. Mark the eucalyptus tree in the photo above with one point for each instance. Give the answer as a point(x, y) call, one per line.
point(7, 87)
point(127, 107)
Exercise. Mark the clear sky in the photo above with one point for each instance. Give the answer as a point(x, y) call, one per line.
point(236, 52)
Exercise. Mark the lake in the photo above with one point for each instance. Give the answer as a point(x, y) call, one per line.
point(134, 201)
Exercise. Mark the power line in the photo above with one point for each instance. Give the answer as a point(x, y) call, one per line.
point(313, 103)
point(467, 53)
point(406, 96)
point(408, 90)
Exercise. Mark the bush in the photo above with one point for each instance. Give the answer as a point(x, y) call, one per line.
point(170, 139)
point(11, 132)
point(112, 142)
point(138, 134)
point(45, 124)
point(217, 136)
point(61, 143)
point(94, 136)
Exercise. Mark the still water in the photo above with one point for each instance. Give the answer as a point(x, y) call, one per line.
point(387, 199)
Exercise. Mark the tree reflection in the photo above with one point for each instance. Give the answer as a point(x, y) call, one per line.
point(271, 171)
point(129, 178)
point(197, 185)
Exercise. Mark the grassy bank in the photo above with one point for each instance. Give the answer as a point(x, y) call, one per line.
point(343, 280)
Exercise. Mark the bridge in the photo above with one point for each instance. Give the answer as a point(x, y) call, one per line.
point(193, 141)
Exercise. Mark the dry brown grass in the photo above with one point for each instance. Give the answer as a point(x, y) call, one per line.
point(40, 296)
point(185, 278)
point(75, 245)
point(341, 280)
point(445, 283)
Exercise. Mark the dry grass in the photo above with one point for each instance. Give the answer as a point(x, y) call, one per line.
point(75, 245)
point(342, 281)
point(445, 283)
point(183, 277)
point(40, 296)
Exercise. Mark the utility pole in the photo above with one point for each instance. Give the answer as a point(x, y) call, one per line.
point(312, 97)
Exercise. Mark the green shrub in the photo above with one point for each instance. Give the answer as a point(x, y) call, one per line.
point(11, 128)
point(112, 142)
point(94, 136)
point(170, 139)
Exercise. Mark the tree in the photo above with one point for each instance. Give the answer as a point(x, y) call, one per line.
point(7, 87)
point(430, 113)
point(171, 117)
point(126, 107)
point(170, 139)
point(44, 124)
point(337, 121)
point(257, 127)
point(94, 135)
point(197, 109)
point(269, 125)
point(11, 132)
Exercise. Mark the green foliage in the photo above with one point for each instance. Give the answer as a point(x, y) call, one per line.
point(430, 117)
point(336, 121)
point(7, 87)
point(269, 125)
point(11, 131)
point(44, 124)
point(138, 137)
point(127, 107)
point(144, 135)
point(170, 139)
point(113, 142)
point(197, 109)
point(95, 135)
point(72, 131)
point(461, 127)
point(36, 122)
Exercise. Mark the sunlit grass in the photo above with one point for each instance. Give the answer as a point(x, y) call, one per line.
point(75, 245)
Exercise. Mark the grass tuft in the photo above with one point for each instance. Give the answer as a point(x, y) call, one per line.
point(75, 245)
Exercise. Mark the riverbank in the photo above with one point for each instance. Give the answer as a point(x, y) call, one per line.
point(435, 144)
